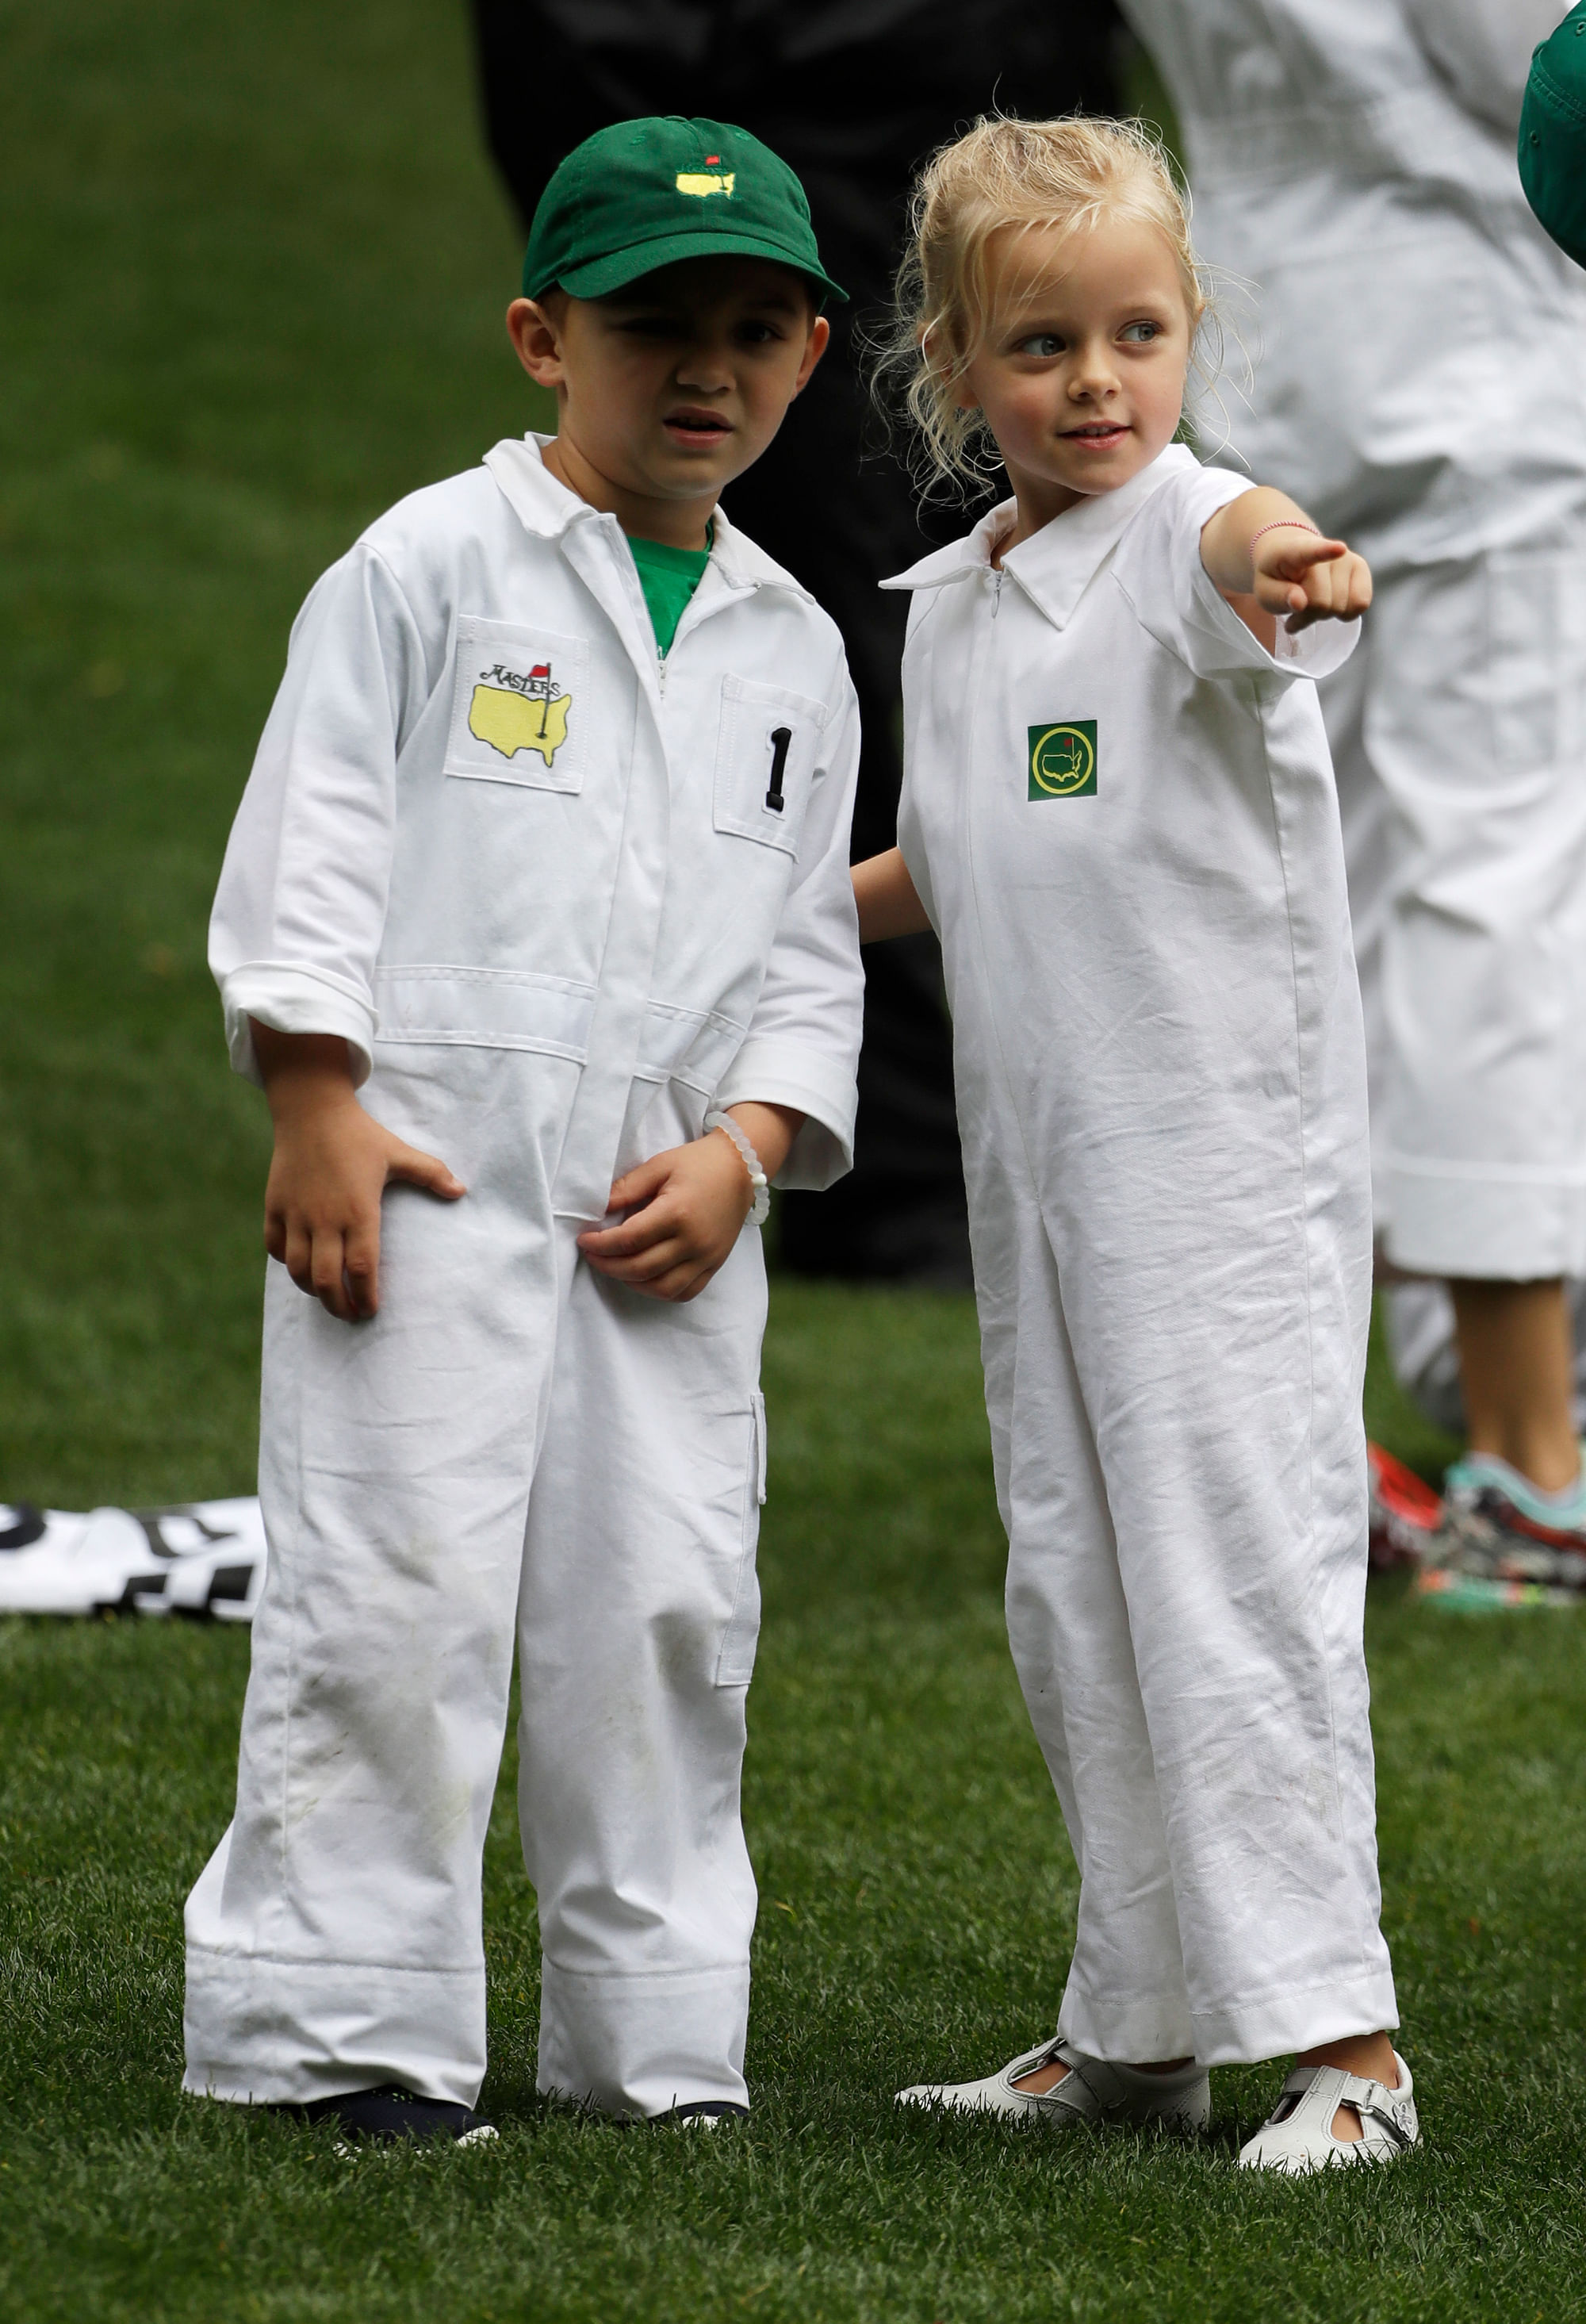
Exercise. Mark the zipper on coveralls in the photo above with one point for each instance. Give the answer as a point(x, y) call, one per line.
point(997, 592)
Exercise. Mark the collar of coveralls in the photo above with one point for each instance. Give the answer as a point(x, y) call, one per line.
point(1055, 565)
point(546, 507)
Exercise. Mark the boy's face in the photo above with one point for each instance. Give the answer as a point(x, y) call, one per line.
point(669, 388)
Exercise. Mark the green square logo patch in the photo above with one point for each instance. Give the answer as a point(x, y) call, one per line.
point(1063, 759)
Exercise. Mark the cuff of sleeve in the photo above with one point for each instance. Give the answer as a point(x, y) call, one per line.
point(781, 1073)
point(292, 999)
point(1314, 652)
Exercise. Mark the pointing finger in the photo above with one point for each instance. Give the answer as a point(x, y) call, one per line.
point(1304, 554)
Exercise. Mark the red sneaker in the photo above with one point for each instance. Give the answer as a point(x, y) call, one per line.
point(1404, 1512)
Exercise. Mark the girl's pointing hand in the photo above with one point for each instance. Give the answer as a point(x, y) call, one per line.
point(1309, 580)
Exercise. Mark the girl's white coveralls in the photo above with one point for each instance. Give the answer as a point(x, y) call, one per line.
point(1118, 813)
point(1421, 387)
point(554, 898)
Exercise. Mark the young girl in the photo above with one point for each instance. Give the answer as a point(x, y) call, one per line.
point(1118, 812)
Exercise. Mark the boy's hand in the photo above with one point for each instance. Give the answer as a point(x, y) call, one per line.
point(332, 1164)
point(688, 1207)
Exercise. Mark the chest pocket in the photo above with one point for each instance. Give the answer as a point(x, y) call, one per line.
point(521, 707)
point(766, 750)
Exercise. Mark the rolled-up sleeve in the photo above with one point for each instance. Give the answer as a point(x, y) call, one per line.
point(802, 1047)
point(301, 903)
point(1177, 601)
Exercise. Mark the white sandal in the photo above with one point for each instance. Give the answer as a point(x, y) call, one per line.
point(1092, 2091)
point(1297, 2135)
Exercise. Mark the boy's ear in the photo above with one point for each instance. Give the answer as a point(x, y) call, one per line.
point(820, 333)
point(533, 326)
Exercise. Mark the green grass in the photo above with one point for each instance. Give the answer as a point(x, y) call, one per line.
point(917, 1902)
point(253, 269)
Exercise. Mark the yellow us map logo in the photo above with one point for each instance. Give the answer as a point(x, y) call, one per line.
point(1063, 759)
point(516, 710)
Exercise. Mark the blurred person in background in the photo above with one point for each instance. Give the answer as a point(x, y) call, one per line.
point(855, 93)
point(1421, 386)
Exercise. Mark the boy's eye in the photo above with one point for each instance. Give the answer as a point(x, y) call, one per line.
point(1140, 335)
point(1040, 342)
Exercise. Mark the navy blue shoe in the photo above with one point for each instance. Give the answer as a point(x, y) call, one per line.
point(383, 2118)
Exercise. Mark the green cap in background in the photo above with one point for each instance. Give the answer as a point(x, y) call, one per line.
point(643, 194)
point(1553, 136)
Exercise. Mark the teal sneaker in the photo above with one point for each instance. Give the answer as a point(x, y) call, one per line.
point(1503, 1541)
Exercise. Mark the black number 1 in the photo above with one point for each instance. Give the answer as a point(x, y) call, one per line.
point(780, 738)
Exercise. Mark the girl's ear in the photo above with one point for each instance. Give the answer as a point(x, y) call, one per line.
point(964, 398)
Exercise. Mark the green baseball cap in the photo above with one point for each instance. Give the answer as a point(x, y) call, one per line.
point(643, 194)
point(1553, 136)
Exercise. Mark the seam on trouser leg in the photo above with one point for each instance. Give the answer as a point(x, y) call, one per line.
point(268, 2030)
point(1509, 1222)
point(1138, 2028)
point(644, 2042)
point(1296, 2020)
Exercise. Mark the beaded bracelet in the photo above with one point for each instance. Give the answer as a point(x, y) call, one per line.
point(1297, 523)
point(716, 1120)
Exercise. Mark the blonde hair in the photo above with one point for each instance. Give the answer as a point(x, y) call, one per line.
point(1020, 174)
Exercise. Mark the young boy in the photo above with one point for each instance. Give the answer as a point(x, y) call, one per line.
point(544, 855)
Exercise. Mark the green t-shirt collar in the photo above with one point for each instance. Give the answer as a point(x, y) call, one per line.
point(669, 578)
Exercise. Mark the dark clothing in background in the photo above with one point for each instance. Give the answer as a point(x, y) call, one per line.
point(853, 94)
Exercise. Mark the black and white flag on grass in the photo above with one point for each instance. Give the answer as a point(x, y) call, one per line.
point(203, 1559)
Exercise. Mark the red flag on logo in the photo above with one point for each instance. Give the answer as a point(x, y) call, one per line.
point(541, 669)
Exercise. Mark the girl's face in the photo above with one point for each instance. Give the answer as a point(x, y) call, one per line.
point(1080, 376)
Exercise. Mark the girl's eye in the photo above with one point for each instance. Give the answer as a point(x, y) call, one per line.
point(1140, 335)
point(1041, 343)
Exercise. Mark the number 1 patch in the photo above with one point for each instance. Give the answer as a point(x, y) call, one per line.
point(1063, 759)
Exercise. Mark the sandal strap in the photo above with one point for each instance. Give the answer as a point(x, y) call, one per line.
point(1373, 2101)
point(1377, 2103)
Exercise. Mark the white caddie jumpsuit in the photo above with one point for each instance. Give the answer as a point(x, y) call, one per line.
point(558, 898)
point(1421, 388)
point(1118, 813)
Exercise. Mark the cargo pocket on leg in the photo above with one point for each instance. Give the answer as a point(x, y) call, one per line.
point(735, 1663)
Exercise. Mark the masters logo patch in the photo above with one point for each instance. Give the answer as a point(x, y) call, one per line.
point(516, 710)
point(1063, 759)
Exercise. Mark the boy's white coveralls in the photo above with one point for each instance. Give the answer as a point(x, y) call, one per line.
point(1421, 387)
point(1118, 813)
point(533, 878)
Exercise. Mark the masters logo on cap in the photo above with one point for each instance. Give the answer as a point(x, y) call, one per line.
point(647, 193)
point(702, 181)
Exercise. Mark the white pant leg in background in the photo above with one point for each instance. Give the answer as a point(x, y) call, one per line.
point(1370, 853)
point(639, 1614)
point(1462, 781)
